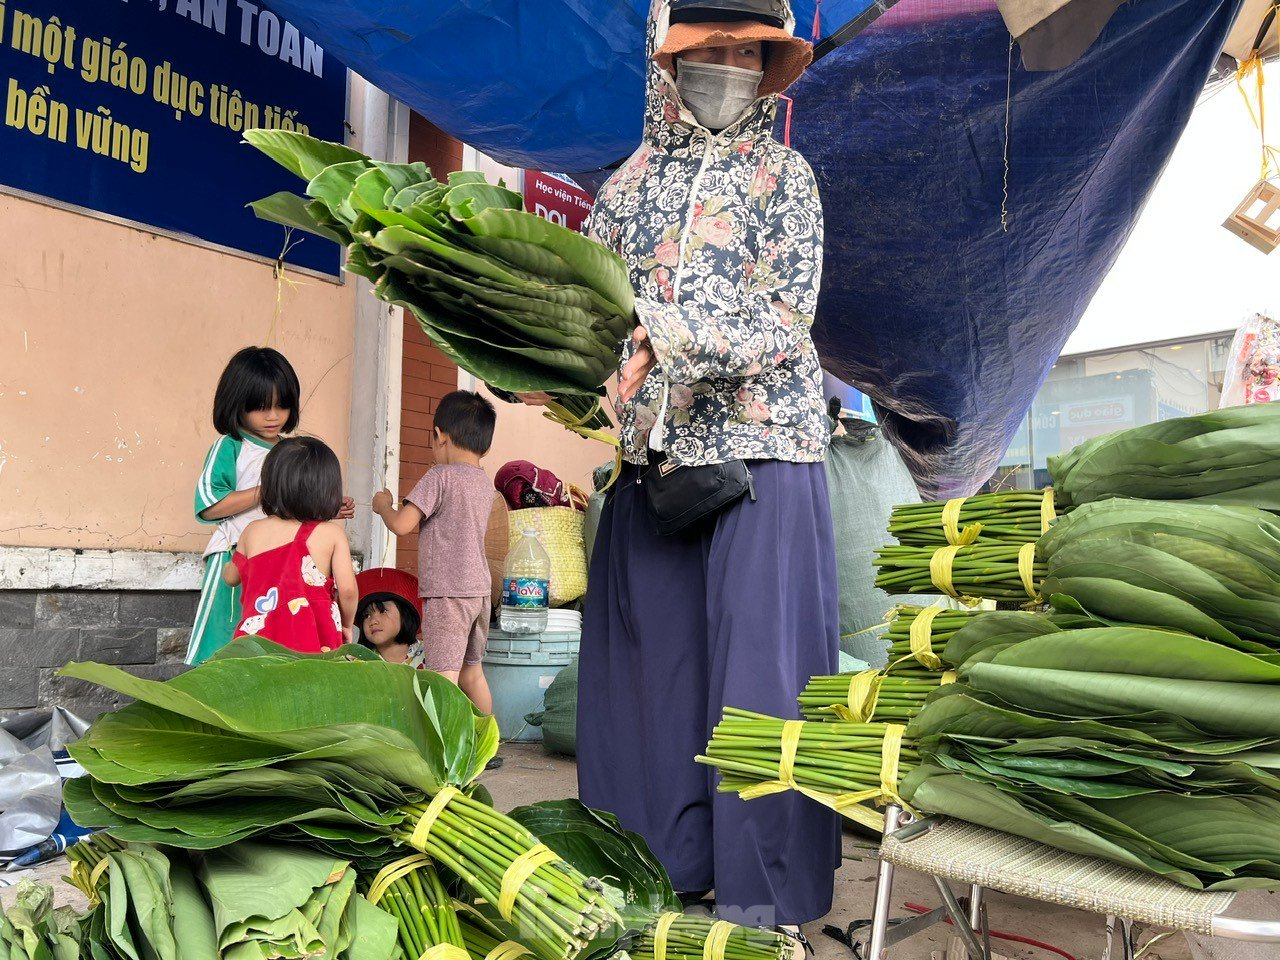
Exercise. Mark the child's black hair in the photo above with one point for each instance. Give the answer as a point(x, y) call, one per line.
point(301, 480)
point(256, 378)
point(409, 621)
point(467, 419)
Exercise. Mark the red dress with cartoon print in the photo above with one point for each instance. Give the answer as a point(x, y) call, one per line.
point(285, 597)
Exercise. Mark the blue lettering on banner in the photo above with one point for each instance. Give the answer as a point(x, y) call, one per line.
point(136, 108)
point(526, 593)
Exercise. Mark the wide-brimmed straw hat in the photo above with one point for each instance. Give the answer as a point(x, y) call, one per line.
point(785, 56)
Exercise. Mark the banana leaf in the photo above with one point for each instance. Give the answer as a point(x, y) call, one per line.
point(1229, 456)
point(1152, 569)
point(982, 636)
point(1111, 601)
point(33, 929)
point(290, 210)
point(594, 842)
point(598, 268)
point(493, 365)
point(303, 155)
point(1142, 652)
point(957, 711)
point(242, 696)
point(1237, 710)
point(939, 791)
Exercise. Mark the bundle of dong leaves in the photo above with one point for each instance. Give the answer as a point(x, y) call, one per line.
point(1152, 748)
point(1229, 457)
point(521, 303)
point(361, 761)
point(245, 901)
point(1149, 747)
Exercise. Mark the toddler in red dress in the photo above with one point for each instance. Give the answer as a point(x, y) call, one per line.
point(294, 565)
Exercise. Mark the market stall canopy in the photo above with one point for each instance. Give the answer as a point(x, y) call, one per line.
point(1052, 34)
point(552, 84)
point(972, 207)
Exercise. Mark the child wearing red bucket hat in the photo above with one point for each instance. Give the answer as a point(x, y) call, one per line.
point(389, 614)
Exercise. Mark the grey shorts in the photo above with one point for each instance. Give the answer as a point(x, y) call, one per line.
point(455, 631)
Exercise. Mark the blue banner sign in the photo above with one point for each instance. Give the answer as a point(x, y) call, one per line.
point(135, 109)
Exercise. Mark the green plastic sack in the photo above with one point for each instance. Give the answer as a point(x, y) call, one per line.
point(558, 717)
point(866, 479)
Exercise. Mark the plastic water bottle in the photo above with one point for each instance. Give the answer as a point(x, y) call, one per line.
point(526, 587)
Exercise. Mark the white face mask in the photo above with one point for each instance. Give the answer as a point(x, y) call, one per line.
point(715, 93)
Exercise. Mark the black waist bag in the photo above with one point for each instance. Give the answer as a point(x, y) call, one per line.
point(680, 497)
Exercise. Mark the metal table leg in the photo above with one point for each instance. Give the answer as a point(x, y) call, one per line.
point(876, 948)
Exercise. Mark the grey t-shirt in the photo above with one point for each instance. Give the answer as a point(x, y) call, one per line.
point(456, 500)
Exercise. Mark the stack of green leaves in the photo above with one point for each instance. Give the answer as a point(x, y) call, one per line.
point(33, 929)
point(245, 901)
point(1229, 457)
point(1014, 516)
point(1152, 748)
point(978, 571)
point(1207, 570)
point(677, 937)
point(837, 763)
point(356, 759)
point(522, 303)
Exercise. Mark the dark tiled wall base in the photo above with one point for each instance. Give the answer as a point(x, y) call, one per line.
point(144, 631)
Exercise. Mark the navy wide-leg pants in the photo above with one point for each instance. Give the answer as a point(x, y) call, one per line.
point(739, 613)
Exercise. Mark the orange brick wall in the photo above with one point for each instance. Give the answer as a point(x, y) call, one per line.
point(427, 374)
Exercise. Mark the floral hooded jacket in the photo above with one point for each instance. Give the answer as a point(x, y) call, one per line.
point(722, 234)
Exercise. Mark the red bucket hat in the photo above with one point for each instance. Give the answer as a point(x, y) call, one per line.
point(388, 583)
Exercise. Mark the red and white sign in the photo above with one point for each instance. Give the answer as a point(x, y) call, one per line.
point(555, 197)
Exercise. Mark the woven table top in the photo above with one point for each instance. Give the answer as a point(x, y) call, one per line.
point(966, 853)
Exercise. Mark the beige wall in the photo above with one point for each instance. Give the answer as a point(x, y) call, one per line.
point(111, 342)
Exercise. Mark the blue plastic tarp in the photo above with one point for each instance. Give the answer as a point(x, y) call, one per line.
point(947, 320)
point(551, 84)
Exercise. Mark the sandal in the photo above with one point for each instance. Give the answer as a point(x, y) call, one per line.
point(802, 943)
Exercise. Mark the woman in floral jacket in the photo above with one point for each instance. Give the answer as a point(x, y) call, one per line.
point(721, 227)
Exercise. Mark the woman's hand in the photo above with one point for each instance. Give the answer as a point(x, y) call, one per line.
point(347, 510)
point(537, 399)
point(638, 367)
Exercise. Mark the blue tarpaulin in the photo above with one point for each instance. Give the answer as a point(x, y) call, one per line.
point(946, 317)
point(551, 84)
point(948, 321)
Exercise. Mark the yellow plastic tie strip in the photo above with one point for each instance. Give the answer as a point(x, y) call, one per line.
point(1048, 513)
point(951, 524)
point(660, 930)
point(940, 565)
point(558, 414)
point(95, 875)
point(508, 950)
point(791, 730)
point(1027, 569)
point(890, 753)
point(521, 869)
point(922, 638)
point(864, 691)
point(850, 805)
point(422, 831)
point(445, 951)
point(393, 872)
point(717, 938)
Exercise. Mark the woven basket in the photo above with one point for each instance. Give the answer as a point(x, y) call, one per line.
point(560, 530)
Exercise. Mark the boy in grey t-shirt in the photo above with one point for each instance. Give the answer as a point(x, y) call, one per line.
point(451, 508)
